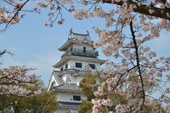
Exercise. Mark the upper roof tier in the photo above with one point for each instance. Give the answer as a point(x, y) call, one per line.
point(76, 38)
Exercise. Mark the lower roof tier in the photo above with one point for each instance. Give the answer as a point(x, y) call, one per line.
point(67, 87)
point(78, 58)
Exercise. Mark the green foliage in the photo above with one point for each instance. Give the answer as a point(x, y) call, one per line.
point(148, 109)
point(89, 84)
point(85, 107)
point(6, 102)
point(45, 102)
point(42, 103)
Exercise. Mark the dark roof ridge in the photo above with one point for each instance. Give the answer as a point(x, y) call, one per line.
point(71, 32)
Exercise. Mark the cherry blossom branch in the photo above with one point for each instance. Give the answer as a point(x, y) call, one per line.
point(12, 80)
point(137, 61)
point(16, 14)
point(143, 9)
point(119, 80)
point(8, 2)
point(15, 81)
point(58, 3)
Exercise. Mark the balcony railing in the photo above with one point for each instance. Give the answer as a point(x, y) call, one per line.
point(81, 52)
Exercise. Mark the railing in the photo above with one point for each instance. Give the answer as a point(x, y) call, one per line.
point(81, 52)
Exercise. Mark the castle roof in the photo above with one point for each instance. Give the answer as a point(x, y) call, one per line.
point(57, 78)
point(76, 38)
point(71, 57)
point(67, 87)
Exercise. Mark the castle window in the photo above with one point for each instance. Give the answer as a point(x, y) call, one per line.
point(76, 98)
point(78, 65)
point(66, 66)
point(84, 49)
point(92, 66)
point(61, 69)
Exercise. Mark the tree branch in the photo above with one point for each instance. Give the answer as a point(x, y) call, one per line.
point(3, 52)
point(144, 9)
point(119, 80)
point(137, 61)
point(15, 15)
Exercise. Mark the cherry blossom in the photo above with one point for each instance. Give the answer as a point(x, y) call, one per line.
point(136, 73)
point(15, 81)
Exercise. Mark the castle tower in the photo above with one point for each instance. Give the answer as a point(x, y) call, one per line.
point(79, 58)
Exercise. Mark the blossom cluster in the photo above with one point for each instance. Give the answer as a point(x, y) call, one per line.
point(135, 72)
point(11, 11)
point(15, 81)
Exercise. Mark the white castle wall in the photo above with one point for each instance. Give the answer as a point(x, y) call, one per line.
point(71, 64)
point(68, 97)
point(80, 46)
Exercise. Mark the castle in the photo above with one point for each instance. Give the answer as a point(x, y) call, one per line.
point(79, 58)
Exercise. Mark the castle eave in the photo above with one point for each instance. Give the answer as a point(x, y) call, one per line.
point(61, 62)
point(65, 45)
point(71, 57)
point(67, 91)
point(73, 41)
point(73, 105)
point(67, 87)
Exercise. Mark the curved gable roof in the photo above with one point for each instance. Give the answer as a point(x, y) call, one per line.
point(76, 38)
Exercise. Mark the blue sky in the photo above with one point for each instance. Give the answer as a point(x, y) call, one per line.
point(34, 45)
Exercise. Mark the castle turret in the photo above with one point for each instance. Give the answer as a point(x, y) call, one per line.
point(79, 58)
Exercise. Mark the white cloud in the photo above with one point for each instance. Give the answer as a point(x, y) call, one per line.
point(161, 45)
point(8, 60)
point(162, 42)
point(43, 63)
